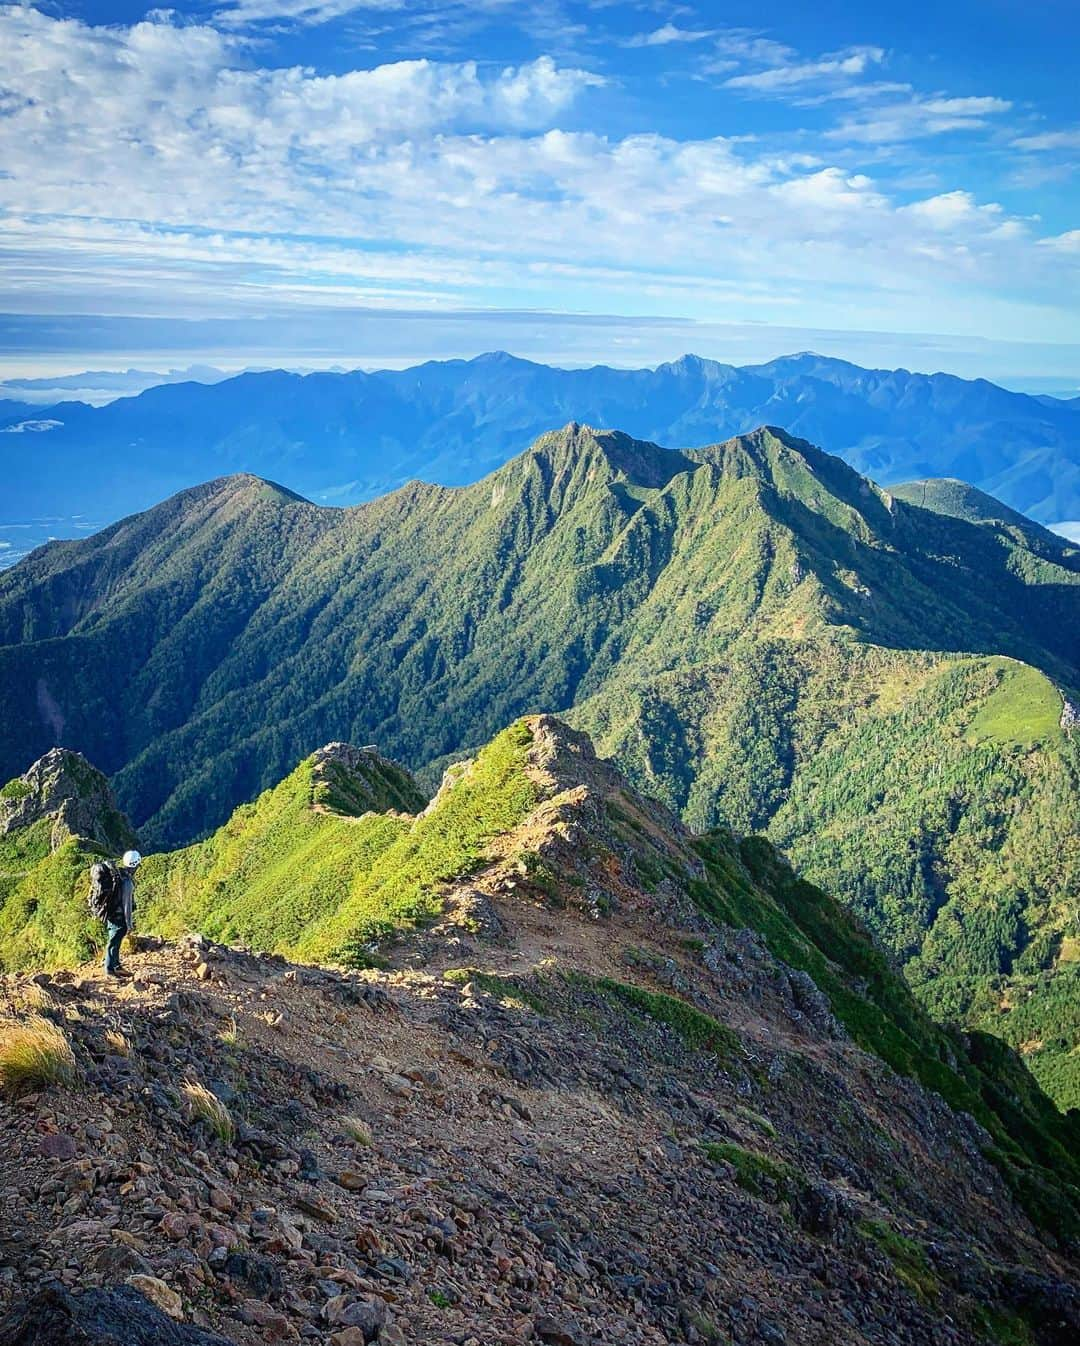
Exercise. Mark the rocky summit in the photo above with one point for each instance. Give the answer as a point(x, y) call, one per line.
point(74, 799)
point(618, 1084)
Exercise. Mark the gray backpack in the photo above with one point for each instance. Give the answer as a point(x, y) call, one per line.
point(104, 882)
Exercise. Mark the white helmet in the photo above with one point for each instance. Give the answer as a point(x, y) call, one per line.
point(131, 860)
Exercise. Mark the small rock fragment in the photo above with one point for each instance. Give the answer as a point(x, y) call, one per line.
point(158, 1293)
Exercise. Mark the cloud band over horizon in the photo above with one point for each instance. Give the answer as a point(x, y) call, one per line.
point(186, 167)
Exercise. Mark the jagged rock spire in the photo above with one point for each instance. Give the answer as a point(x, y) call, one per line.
point(63, 787)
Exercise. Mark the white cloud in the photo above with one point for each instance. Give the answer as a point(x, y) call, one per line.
point(247, 13)
point(780, 78)
point(863, 92)
point(918, 117)
point(667, 34)
point(830, 189)
point(1068, 242)
point(889, 111)
point(154, 80)
point(950, 210)
point(1050, 140)
point(744, 44)
point(964, 108)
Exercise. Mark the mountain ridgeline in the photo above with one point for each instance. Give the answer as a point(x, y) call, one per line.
point(761, 637)
point(342, 438)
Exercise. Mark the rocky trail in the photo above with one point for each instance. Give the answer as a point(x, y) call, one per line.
point(418, 1159)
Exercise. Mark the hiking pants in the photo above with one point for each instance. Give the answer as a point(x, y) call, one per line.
point(115, 938)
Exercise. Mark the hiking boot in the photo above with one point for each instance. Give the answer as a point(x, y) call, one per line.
point(120, 973)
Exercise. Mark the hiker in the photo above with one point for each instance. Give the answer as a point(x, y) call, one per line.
point(112, 900)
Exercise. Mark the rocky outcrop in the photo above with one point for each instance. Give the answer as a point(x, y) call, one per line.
point(119, 1316)
point(74, 796)
point(347, 779)
point(499, 1158)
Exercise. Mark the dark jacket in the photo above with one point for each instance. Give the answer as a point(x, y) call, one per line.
point(121, 905)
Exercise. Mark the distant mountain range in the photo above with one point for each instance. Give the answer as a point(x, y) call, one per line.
point(340, 438)
point(759, 635)
point(97, 386)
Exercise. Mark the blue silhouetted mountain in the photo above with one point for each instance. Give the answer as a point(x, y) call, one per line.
point(340, 438)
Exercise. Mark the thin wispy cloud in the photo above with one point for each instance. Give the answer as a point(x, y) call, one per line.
point(668, 34)
point(781, 77)
point(1049, 140)
point(889, 111)
point(915, 118)
point(246, 13)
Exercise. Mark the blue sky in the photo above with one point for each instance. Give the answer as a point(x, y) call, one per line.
point(317, 181)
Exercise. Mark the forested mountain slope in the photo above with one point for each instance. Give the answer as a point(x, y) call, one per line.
point(757, 633)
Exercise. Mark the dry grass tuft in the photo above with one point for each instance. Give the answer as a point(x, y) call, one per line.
point(205, 1106)
point(118, 1042)
point(230, 1034)
point(34, 1052)
point(36, 997)
point(358, 1130)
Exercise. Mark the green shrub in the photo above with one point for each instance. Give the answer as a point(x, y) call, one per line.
point(754, 1171)
point(908, 1257)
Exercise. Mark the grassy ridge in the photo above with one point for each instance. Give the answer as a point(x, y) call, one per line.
point(401, 887)
point(44, 919)
point(292, 874)
point(277, 866)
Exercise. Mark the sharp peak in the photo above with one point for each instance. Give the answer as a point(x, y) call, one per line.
point(763, 435)
point(688, 358)
point(59, 756)
point(638, 460)
point(689, 362)
point(601, 434)
point(759, 446)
